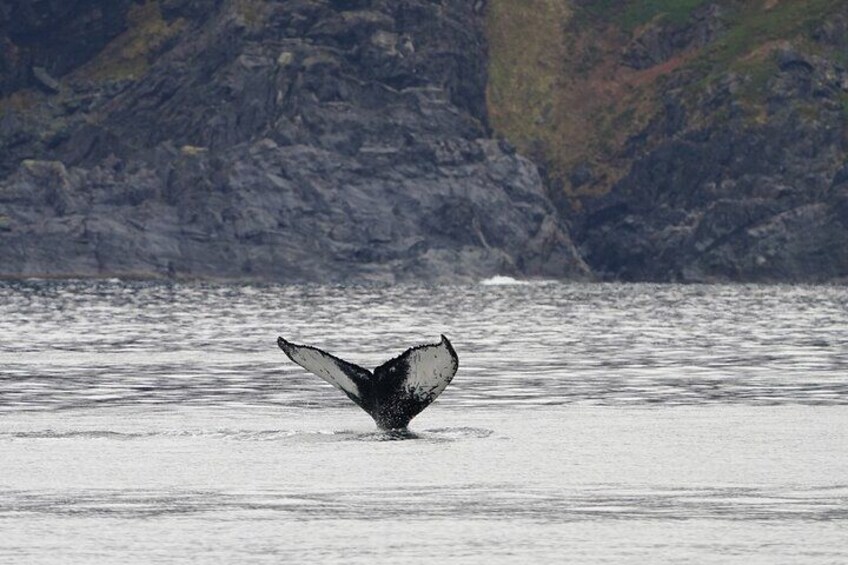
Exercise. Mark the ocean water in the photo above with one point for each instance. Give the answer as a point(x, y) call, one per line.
point(159, 423)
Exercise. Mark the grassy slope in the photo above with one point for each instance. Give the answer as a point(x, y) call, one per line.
point(526, 48)
point(631, 15)
point(558, 89)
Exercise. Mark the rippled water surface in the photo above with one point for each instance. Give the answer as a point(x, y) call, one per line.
point(156, 423)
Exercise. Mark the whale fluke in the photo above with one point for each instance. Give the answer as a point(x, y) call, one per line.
point(397, 391)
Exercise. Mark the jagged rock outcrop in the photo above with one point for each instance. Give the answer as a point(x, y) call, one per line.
point(51, 37)
point(305, 140)
point(748, 194)
point(698, 141)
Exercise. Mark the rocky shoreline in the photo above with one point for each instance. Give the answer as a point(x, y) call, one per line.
point(290, 141)
point(385, 140)
point(701, 141)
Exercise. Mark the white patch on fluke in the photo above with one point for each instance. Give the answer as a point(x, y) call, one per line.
point(431, 369)
point(324, 366)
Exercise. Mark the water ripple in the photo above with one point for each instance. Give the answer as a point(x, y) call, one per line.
point(79, 344)
point(297, 436)
point(469, 502)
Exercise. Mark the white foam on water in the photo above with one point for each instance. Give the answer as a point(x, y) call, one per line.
point(502, 281)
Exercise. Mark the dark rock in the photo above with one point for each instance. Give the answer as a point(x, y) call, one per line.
point(55, 36)
point(841, 176)
point(789, 59)
point(191, 9)
point(734, 200)
point(294, 141)
point(834, 31)
point(660, 40)
point(45, 81)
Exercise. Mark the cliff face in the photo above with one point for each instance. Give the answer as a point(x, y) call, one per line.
point(685, 140)
point(322, 140)
point(336, 140)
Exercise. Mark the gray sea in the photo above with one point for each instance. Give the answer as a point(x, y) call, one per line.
point(596, 423)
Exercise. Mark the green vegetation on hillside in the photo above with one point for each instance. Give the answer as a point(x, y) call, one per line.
point(562, 91)
point(128, 56)
point(752, 27)
point(631, 14)
point(527, 44)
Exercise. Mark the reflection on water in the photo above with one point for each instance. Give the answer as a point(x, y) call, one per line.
point(159, 423)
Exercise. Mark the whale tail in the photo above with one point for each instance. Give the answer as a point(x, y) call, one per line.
point(396, 391)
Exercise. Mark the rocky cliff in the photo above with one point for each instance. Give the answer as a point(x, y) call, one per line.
point(372, 140)
point(298, 140)
point(686, 140)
